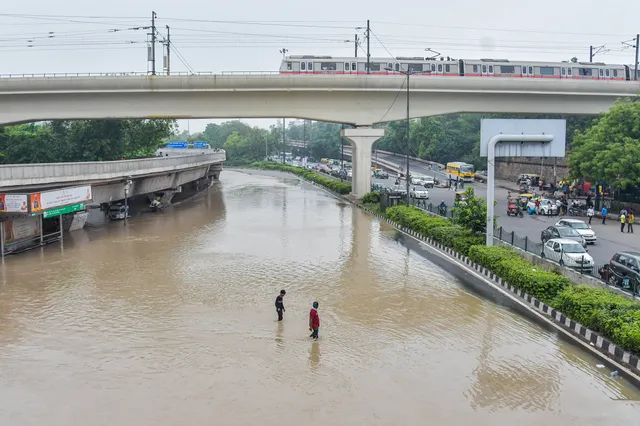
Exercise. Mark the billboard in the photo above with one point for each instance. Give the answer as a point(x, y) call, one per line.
point(40, 201)
point(493, 127)
point(13, 203)
point(21, 228)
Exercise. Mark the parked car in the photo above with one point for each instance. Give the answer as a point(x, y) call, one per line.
point(547, 208)
point(428, 182)
point(582, 228)
point(399, 189)
point(568, 253)
point(562, 232)
point(418, 191)
point(624, 268)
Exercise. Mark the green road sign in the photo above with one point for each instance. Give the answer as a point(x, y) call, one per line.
point(63, 210)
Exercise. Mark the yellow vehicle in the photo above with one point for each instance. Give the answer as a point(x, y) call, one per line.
point(463, 170)
point(324, 161)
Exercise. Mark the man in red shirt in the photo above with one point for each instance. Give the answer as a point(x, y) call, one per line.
point(314, 321)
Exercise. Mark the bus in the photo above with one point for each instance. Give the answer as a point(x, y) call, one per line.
point(463, 170)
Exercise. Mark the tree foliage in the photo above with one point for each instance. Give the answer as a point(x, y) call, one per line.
point(610, 150)
point(472, 214)
point(82, 140)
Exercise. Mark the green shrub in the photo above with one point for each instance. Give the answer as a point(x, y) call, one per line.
point(463, 244)
point(416, 219)
point(448, 234)
point(518, 272)
point(370, 197)
point(334, 185)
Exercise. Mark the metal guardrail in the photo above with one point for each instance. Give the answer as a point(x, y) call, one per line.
point(133, 74)
point(29, 174)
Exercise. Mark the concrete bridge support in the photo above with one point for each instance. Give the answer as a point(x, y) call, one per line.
point(361, 140)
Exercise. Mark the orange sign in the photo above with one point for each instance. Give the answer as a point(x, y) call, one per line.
point(36, 204)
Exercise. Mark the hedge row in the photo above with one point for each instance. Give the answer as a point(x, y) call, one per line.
point(334, 185)
point(437, 228)
point(613, 316)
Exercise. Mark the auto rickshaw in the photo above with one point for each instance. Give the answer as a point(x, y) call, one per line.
point(513, 207)
point(461, 198)
point(525, 198)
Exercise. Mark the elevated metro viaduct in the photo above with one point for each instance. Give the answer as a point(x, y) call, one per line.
point(358, 100)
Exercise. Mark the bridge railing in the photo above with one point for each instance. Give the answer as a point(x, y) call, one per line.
point(17, 174)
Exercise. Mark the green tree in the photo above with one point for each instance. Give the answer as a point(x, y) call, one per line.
point(472, 214)
point(610, 149)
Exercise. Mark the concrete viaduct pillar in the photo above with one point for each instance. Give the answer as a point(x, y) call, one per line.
point(361, 139)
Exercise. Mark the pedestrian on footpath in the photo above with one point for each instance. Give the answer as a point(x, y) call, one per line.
point(630, 219)
point(280, 304)
point(623, 220)
point(590, 213)
point(314, 321)
point(604, 215)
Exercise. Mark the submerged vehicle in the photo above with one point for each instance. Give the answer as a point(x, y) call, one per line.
point(118, 212)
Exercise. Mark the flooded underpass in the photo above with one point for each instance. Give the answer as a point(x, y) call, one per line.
point(171, 321)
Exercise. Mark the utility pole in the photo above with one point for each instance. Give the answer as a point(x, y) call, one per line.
point(635, 66)
point(167, 65)
point(408, 138)
point(284, 147)
point(341, 152)
point(356, 46)
point(153, 43)
point(590, 53)
point(368, 45)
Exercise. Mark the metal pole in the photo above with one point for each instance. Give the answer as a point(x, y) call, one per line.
point(590, 53)
point(356, 46)
point(168, 51)
point(61, 237)
point(491, 154)
point(2, 240)
point(40, 225)
point(126, 206)
point(408, 137)
point(341, 151)
point(283, 142)
point(266, 149)
point(153, 43)
point(368, 43)
point(636, 64)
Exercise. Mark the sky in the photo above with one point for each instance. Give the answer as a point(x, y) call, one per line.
point(74, 36)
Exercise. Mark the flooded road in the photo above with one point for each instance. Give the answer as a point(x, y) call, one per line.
point(171, 321)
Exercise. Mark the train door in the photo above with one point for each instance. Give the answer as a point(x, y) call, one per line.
point(563, 72)
point(523, 71)
point(487, 70)
point(607, 74)
point(439, 69)
point(347, 68)
point(354, 68)
point(303, 67)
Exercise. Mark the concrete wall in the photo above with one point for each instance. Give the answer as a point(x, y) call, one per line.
point(334, 98)
point(13, 176)
point(510, 168)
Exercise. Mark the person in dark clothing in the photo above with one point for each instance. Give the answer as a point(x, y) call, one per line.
point(280, 305)
point(314, 321)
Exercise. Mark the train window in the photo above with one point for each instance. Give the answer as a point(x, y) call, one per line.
point(397, 67)
point(484, 68)
point(390, 66)
point(433, 67)
point(303, 66)
point(507, 69)
point(568, 71)
point(309, 66)
point(346, 66)
point(328, 66)
point(288, 66)
point(414, 67)
point(475, 68)
point(354, 66)
point(615, 73)
point(375, 66)
point(564, 70)
point(547, 71)
point(607, 72)
point(530, 70)
point(490, 69)
point(586, 72)
point(447, 68)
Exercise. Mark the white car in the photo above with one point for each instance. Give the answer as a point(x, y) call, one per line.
point(428, 182)
point(568, 253)
point(419, 192)
point(582, 228)
point(547, 208)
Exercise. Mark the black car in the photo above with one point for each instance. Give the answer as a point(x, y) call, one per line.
point(624, 270)
point(555, 231)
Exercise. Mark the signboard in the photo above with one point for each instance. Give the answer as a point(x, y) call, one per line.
point(200, 145)
point(556, 128)
point(61, 197)
point(178, 145)
point(21, 228)
point(63, 210)
point(13, 203)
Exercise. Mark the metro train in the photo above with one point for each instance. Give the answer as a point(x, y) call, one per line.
point(307, 64)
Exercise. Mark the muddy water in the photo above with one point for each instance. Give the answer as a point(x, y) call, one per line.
point(170, 321)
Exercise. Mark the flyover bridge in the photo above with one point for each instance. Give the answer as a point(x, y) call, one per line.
point(359, 100)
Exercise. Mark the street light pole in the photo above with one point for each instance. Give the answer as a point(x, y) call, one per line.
point(408, 133)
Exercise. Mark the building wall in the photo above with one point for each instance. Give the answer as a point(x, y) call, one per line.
point(510, 168)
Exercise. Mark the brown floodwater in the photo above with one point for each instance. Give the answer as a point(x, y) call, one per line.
point(171, 321)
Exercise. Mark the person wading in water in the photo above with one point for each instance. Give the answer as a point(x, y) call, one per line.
point(314, 321)
point(280, 305)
